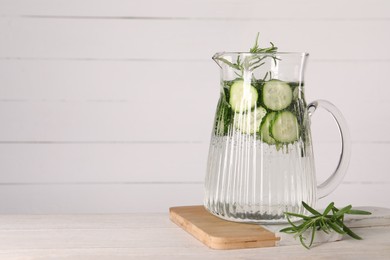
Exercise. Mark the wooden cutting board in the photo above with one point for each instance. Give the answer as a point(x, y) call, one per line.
point(217, 233)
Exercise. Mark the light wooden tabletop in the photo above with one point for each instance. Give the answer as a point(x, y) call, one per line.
point(154, 236)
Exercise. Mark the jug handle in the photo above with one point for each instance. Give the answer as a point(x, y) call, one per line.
point(335, 179)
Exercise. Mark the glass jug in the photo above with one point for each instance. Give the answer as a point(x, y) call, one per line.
point(260, 161)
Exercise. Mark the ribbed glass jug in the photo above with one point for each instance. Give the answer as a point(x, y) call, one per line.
point(260, 161)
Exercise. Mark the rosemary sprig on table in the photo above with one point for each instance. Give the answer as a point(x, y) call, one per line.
point(252, 62)
point(325, 222)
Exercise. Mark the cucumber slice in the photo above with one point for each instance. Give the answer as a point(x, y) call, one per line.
point(277, 95)
point(243, 96)
point(249, 123)
point(285, 128)
point(265, 129)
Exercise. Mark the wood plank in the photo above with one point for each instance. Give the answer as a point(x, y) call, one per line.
point(176, 118)
point(173, 118)
point(97, 198)
point(365, 158)
point(101, 163)
point(82, 238)
point(104, 162)
point(301, 9)
point(358, 194)
point(336, 81)
point(109, 81)
point(380, 217)
point(220, 234)
point(43, 80)
point(144, 39)
point(375, 247)
point(85, 221)
point(104, 241)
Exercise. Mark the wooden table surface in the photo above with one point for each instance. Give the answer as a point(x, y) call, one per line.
point(154, 236)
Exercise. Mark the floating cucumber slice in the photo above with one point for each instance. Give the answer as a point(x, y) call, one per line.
point(250, 121)
point(243, 96)
point(265, 129)
point(277, 95)
point(285, 128)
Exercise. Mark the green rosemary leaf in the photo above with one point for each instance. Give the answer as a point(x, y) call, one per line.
point(255, 67)
point(310, 209)
point(336, 228)
point(257, 61)
point(342, 211)
point(290, 222)
point(349, 232)
point(328, 208)
point(252, 62)
point(313, 234)
point(265, 77)
point(292, 214)
point(256, 45)
point(302, 240)
point(323, 226)
point(358, 212)
point(238, 74)
point(288, 230)
point(234, 66)
point(304, 225)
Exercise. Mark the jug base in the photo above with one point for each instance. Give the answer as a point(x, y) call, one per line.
point(250, 217)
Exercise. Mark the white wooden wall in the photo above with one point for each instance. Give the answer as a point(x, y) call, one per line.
point(107, 106)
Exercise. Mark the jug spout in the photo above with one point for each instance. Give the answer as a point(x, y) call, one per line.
point(218, 59)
